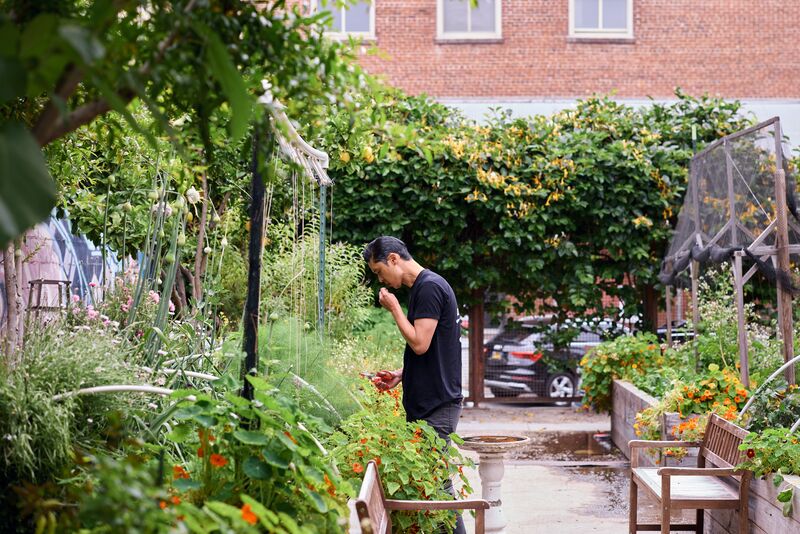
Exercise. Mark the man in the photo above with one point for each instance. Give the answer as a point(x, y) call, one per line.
point(431, 373)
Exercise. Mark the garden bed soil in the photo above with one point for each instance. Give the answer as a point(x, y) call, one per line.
point(766, 516)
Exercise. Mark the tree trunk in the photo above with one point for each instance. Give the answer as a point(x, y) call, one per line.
point(12, 311)
point(650, 304)
point(476, 357)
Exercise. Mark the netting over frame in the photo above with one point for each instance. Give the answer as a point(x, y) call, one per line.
point(730, 205)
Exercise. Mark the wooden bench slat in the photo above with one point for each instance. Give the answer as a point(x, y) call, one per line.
point(688, 487)
point(723, 487)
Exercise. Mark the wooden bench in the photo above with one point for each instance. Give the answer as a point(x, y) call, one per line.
point(701, 487)
point(369, 513)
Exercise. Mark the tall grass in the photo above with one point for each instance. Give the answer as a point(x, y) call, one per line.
point(37, 434)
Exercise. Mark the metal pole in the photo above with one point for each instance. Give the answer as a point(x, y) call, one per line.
point(321, 297)
point(250, 325)
point(782, 246)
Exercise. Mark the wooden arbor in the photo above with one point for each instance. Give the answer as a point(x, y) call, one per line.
point(736, 206)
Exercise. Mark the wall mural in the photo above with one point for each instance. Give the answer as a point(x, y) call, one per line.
point(51, 251)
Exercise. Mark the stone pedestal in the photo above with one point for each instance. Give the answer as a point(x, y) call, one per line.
point(491, 454)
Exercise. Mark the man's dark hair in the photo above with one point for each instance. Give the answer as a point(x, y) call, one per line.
point(379, 249)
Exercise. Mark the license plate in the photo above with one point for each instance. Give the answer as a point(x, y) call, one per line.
point(496, 356)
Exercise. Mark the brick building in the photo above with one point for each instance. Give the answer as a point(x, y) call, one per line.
point(536, 56)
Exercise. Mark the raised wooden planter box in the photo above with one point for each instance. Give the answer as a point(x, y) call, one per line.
point(766, 516)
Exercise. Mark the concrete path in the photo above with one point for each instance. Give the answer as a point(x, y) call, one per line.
point(549, 491)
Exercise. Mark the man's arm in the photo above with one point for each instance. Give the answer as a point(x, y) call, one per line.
point(417, 335)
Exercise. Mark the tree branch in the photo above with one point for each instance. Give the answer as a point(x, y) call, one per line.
point(49, 128)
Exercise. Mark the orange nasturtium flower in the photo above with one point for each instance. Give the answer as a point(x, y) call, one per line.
point(179, 472)
point(175, 500)
point(357, 467)
point(217, 460)
point(248, 515)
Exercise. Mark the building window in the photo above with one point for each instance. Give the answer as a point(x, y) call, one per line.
point(355, 19)
point(601, 18)
point(463, 19)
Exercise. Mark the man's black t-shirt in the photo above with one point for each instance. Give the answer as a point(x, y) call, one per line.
point(432, 379)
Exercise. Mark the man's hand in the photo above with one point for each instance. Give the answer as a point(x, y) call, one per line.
point(388, 300)
point(386, 380)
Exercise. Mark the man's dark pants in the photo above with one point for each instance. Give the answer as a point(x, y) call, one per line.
point(445, 420)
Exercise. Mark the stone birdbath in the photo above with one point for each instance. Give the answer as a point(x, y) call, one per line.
point(491, 453)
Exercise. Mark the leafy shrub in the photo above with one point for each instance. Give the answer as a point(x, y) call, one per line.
point(774, 405)
point(623, 357)
point(717, 391)
point(775, 450)
point(267, 449)
point(413, 461)
point(292, 287)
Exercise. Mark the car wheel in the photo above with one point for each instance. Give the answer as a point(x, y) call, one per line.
point(561, 385)
point(497, 392)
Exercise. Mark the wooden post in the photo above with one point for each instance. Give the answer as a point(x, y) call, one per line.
point(669, 316)
point(250, 325)
point(695, 269)
point(744, 365)
point(782, 246)
point(476, 363)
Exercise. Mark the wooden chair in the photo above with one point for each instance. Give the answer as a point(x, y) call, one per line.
point(699, 488)
point(369, 513)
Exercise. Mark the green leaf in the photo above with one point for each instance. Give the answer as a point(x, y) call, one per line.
point(37, 37)
point(786, 495)
point(250, 437)
point(316, 498)
point(87, 46)
point(179, 433)
point(255, 468)
point(224, 70)
point(15, 79)
point(392, 487)
point(259, 384)
point(186, 484)
point(225, 510)
point(9, 39)
point(27, 192)
point(206, 421)
point(188, 412)
point(272, 458)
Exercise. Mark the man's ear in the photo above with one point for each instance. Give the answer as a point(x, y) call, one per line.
point(392, 258)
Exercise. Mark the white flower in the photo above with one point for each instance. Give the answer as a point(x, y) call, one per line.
point(193, 195)
point(90, 420)
point(224, 242)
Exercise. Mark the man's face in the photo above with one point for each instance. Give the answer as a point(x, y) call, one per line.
point(389, 273)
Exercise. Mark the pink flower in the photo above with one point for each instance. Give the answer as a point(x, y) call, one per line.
point(171, 307)
point(76, 298)
point(92, 284)
point(155, 297)
point(91, 313)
